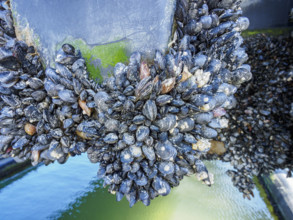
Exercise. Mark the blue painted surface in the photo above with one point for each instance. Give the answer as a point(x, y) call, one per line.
point(265, 14)
point(146, 25)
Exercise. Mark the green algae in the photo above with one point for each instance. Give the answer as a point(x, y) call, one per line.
point(271, 31)
point(264, 196)
point(107, 55)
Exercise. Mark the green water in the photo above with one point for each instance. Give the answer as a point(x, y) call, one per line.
point(72, 191)
point(191, 200)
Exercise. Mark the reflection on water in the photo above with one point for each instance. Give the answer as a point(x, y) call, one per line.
point(15, 177)
point(42, 191)
point(71, 191)
point(191, 200)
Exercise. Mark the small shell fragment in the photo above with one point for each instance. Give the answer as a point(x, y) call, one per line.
point(30, 129)
point(217, 147)
point(35, 157)
point(168, 85)
point(144, 70)
point(84, 107)
point(185, 74)
point(82, 135)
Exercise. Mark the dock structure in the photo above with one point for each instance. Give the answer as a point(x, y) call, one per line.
point(280, 190)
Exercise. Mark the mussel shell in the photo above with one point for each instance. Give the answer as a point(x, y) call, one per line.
point(166, 151)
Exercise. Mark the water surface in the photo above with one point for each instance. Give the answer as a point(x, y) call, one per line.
point(72, 191)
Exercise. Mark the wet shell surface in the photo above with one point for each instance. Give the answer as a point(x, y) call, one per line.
point(149, 124)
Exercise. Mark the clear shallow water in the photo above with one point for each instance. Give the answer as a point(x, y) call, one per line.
point(72, 191)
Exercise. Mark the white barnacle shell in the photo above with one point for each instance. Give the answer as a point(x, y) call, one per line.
point(202, 145)
point(202, 77)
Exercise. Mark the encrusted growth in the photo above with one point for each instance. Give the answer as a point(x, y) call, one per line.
point(148, 125)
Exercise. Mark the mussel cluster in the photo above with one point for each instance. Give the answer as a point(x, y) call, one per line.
point(40, 109)
point(259, 138)
point(21, 77)
point(156, 121)
point(149, 124)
